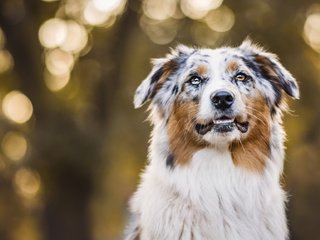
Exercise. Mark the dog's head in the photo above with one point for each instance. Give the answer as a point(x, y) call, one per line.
point(213, 97)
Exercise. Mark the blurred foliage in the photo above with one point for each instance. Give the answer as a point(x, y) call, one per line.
point(71, 145)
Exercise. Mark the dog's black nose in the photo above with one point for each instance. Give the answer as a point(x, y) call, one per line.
point(222, 100)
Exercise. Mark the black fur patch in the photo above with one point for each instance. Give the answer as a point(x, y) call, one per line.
point(195, 99)
point(250, 64)
point(170, 161)
point(175, 90)
point(156, 76)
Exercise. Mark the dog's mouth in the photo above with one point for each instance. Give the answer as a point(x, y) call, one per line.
point(222, 125)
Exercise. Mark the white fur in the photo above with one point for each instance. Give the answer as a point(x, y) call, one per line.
point(211, 198)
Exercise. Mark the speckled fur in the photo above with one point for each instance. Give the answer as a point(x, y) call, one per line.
point(209, 196)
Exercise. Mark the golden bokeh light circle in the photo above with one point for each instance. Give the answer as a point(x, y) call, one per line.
point(17, 107)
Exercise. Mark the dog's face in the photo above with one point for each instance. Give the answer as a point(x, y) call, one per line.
point(217, 96)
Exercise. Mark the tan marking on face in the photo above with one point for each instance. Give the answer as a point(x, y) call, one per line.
point(182, 139)
point(232, 66)
point(252, 152)
point(202, 70)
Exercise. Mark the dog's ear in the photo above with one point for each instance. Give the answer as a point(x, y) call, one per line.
point(271, 68)
point(162, 70)
point(152, 83)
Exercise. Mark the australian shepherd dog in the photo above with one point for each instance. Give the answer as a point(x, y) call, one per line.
point(216, 153)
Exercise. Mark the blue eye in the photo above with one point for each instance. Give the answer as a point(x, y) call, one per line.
point(195, 81)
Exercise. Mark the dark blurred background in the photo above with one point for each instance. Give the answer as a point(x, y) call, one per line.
point(71, 144)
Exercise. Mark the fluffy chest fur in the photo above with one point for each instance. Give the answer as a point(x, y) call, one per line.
point(209, 199)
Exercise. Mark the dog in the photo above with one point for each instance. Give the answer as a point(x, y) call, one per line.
point(216, 153)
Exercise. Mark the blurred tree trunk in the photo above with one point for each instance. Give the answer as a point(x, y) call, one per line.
point(67, 186)
point(64, 154)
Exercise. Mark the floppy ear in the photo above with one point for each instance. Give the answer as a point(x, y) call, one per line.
point(272, 69)
point(162, 69)
point(151, 84)
point(271, 65)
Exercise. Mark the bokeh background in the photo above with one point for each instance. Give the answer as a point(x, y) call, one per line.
point(71, 144)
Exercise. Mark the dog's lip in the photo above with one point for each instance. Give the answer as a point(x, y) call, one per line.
point(242, 126)
point(204, 127)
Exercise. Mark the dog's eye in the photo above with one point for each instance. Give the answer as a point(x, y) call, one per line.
point(241, 77)
point(195, 81)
